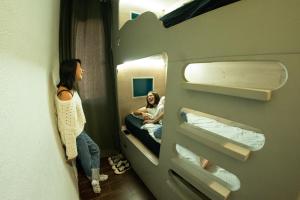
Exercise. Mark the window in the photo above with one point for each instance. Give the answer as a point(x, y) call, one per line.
point(141, 86)
point(134, 15)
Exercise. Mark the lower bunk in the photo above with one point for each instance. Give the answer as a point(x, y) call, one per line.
point(142, 149)
point(142, 160)
point(135, 126)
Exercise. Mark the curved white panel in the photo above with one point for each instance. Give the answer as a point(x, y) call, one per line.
point(250, 75)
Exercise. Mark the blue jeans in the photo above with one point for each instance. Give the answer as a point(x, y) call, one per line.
point(157, 132)
point(88, 153)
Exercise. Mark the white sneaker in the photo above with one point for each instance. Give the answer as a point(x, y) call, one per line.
point(96, 186)
point(121, 162)
point(115, 159)
point(122, 169)
point(103, 177)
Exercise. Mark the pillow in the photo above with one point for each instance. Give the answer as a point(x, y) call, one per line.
point(160, 106)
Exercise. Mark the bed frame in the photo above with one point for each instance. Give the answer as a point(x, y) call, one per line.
point(249, 30)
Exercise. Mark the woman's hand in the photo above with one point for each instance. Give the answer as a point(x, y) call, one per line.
point(145, 116)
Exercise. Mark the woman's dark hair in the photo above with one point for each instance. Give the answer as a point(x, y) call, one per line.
point(156, 100)
point(67, 73)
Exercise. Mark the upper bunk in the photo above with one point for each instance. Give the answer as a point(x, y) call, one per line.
point(241, 28)
point(192, 9)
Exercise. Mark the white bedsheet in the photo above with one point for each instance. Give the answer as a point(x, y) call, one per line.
point(232, 181)
point(251, 139)
point(151, 128)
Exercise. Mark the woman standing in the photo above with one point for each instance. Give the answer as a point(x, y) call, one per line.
point(71, 121)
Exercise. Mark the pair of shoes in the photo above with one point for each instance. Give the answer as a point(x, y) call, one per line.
point(103, 177)
point(121, 162)
point(96, 186)
point(122, 167)
point(113, 160)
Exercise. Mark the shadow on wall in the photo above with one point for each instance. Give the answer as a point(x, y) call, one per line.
point(96, 112)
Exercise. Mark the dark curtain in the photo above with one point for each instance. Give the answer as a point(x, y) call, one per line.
point(85, 34)
point(66, 30)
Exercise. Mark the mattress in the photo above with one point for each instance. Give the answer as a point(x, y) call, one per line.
point(248, 138)
point(134, 125)
point(231, 181)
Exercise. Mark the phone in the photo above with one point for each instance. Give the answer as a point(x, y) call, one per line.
point(126, 131)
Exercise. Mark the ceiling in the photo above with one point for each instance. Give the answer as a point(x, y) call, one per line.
point(164, 6)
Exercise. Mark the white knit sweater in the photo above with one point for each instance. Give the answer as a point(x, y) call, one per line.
point(71, 122)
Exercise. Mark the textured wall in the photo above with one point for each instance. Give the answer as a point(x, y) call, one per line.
point(31, 157)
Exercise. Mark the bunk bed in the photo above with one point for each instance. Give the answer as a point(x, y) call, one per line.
point(134, 126)
point(227, 34)
point(192, 9)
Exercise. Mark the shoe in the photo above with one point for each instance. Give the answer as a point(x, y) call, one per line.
point(103, 177)
point(121, 162)
point(96, 186)
point(122, 169)
point(113, 160)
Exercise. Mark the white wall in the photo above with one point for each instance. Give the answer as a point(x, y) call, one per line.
point(31, 157)
point(158, 7)
point(128, 6)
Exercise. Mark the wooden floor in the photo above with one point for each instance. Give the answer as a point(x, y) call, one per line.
point(127, 186)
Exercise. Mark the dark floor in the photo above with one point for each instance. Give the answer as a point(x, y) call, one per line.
point(127, 186)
